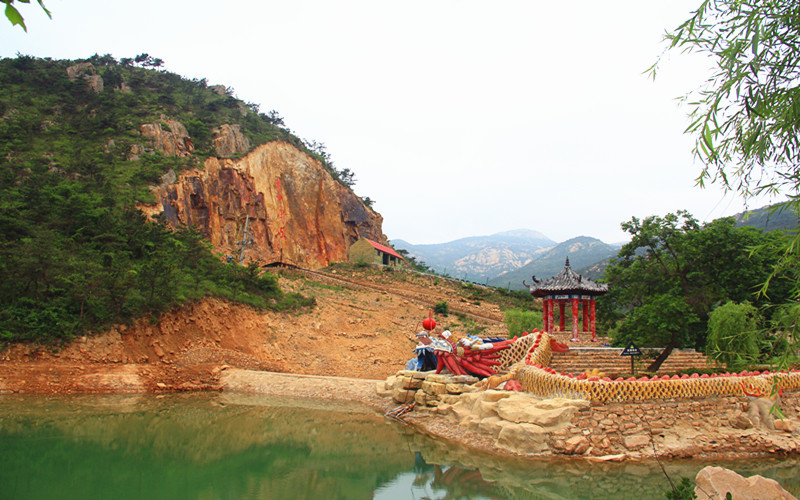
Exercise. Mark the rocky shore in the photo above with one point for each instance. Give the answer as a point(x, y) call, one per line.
point(518, 424)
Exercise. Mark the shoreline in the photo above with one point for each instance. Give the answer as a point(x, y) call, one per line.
point(132, 379)
point(439, 426)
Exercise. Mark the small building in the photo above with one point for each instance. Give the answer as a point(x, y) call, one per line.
point(568, 287)
point(369, 252)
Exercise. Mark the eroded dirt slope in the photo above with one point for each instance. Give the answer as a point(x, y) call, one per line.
point(363, 327)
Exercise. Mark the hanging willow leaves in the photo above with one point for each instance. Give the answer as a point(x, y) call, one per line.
point(14, 16)
point(746, 117)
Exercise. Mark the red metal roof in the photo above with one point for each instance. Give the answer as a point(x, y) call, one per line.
point(384, 248)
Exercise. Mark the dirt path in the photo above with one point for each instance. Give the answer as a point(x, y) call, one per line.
point(420, 295)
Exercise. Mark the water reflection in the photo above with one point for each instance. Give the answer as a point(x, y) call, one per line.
point(209, 446)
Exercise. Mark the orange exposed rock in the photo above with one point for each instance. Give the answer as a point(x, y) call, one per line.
point(229, 140)
point(298, 213)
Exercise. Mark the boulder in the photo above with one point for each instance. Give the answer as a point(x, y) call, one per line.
point(458, 388)
point(522, 438)
point(493, 395)
point(577, 445)
point(463, 379)
point(383, 389)
point(94, 82)
point(491, 426)
point(172, 141)
point(741, 422)
point(403, 396)
point(412, 383)
point(485, 409)
point(434, 388)
point(88, 72)
point(553, 403)
point(80, 69)
point(716, 482)
point(784, 425)
point(437, 377)
point(521, 409)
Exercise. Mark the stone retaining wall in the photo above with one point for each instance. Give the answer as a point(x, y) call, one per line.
point(523, 424)
point(680, 428)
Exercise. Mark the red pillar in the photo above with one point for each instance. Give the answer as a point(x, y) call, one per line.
point(544, 314)
point(585, 303)
point(591, 319)
point(575, 320)
point(549, 315)
point(561, 306)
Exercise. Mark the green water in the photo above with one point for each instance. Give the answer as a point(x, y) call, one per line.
point(222, 446)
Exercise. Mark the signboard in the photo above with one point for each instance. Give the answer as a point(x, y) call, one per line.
point(631, 350)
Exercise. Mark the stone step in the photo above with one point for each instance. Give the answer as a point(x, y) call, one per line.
point(581, 359)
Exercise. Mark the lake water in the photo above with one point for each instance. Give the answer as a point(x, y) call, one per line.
point(227, 446)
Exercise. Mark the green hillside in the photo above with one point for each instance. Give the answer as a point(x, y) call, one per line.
point(769, 218)
point(75, 254)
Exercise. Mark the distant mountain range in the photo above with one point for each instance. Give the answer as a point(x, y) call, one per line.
point(506, 259)
point(583, 252)
point(480, 258)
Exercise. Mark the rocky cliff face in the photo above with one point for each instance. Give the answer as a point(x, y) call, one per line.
point(229, 140)
point(174, 141)
point(295, 212)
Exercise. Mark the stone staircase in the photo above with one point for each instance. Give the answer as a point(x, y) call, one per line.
point(609, 361)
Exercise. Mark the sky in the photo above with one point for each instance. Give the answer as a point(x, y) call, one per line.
point(459, 117)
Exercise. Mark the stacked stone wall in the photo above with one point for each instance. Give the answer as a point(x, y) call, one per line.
point(424, 388)
point(708, 426)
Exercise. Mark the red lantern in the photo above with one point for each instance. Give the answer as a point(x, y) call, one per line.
point(428, 323)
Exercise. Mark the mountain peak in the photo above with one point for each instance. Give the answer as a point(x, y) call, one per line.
point(522, 233)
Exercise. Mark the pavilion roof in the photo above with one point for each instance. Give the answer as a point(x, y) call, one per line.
point(566, 281)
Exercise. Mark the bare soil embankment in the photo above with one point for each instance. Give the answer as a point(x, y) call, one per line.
point(363, 327)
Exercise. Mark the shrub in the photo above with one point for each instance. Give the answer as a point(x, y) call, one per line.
point(519, 321)
point(733, 334)
point(683, 491)
point(441, 308)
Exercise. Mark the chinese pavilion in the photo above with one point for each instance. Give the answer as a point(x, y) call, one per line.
point(568, 287)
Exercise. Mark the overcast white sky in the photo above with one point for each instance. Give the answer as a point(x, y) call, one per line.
point(459, 117)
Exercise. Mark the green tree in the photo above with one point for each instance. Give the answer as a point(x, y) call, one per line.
point(665, 282)
point(519, 321)
point(733, 334)
point(662, 320)
point(745, 118)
